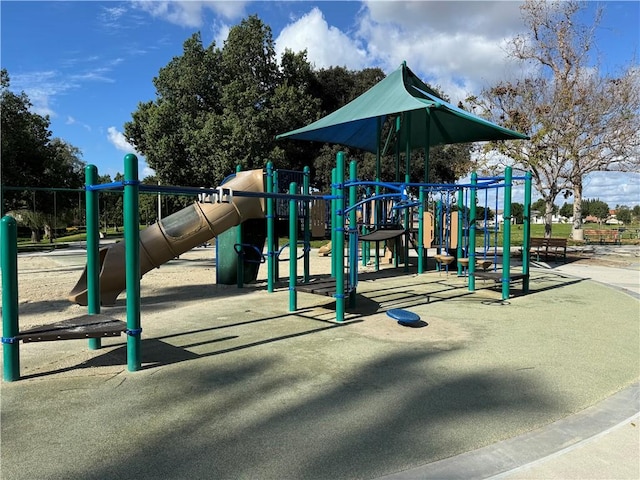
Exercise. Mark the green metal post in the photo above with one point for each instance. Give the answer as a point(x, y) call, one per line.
point(93, 248)
point(421, 232)
point(10, 330)
point(293, 247)
point(334, 219)
point(240, 264)
point(270, 231)
point(353, 226)
point(132, 261)
point(338, 248)
point(526, 245)
point(506, 235)
point(407, 180)
point(377, 213)
point(306, 188)
point(460, 251)
point(276, 240)
point(472, 231)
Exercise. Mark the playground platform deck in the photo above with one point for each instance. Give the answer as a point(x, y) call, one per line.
point(235, 386)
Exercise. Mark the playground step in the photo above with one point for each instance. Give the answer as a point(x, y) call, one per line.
point(322, 286)
point(84, 326)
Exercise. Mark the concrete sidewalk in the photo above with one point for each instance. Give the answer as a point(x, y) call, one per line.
point(235, 386)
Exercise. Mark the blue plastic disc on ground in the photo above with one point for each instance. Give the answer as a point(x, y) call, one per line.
point(404, 317)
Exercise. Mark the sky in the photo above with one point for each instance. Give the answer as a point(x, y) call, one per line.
point(88, 64)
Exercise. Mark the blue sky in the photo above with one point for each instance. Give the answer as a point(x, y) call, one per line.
point(88, 64)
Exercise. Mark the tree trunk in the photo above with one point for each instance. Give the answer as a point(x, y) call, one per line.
point(577, 204)
point(548, 216)
point(35, 235)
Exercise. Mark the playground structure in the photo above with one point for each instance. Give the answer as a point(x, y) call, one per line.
point(420, 118)
point(111, 269)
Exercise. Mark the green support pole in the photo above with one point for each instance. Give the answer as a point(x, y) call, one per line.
point(270, 231)
point(334, 219)
point(93, 248)
point(460, 251)
point(353, 225)
point(526, 245)
point(472, 232)
point(240, 263)
point(306, 189)
point(293, 247)
point(338, 250)
point(421, 232)
point(9, 265)
point(506, 235)
point(276, 240)
point(132, 260)
point(407, 180)
point(377, 213)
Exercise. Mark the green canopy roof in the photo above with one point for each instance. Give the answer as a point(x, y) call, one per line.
point(356, 124)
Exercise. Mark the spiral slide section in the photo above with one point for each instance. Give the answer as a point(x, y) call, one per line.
point(174, 235)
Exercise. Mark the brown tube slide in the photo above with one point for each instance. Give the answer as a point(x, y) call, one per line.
point(174, 235)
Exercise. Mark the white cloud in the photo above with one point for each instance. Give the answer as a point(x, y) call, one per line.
point(220, 32)
point(613, 188)
point(190, 14)
point(458, 46)
point(118, 140)
point(326, 45)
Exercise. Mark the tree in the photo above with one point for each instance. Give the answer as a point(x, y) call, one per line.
point(218, 108)
point(566, 210)
point(623, 214)
point(31, 158)
point(580, 119)
point(517, 212)
point(596, 208)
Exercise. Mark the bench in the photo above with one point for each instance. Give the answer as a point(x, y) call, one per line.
point(550, 247)
point(602, 236)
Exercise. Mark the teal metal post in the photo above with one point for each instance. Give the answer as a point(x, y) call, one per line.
point(460, 250)
point(526, 243)
point(421, 232)
point(93, 248)
point(10, 330)
point(132, 260)
point(306, 189)
point(353, 234)
point(334, 219)
point(276, 240)
point(407, 179)
point(472, 231)
point(506, 235)
point(240, 264)
point(338, 248)
point(293, 247)
point(270, 231)
point(377, 213)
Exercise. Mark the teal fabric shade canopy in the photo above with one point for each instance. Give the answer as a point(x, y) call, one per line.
point(426, 120)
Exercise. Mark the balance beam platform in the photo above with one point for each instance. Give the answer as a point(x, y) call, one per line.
point(323, 286)
point(84, 326)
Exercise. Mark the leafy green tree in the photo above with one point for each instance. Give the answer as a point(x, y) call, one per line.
point(623, 213)
point(31, 158)
point(595, 208)
point(517, 212)
point(566, 210)
point(218, 108)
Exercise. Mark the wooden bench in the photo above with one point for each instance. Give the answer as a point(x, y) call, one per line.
point(550, 247)
point(602, 236)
